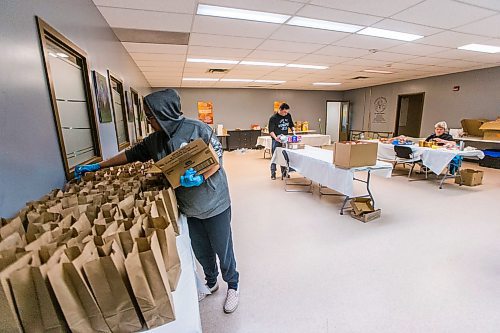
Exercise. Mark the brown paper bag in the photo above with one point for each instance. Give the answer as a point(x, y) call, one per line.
point(111, 292)
point(37, 307)
point(170, 203)
point(74, 296)
point(149, 281)
point(14, 226)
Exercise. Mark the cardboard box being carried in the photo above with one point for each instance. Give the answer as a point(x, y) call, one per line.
point(351, 154)
point(197, 155)
point(470, 177)
point(363, 210)
point(491, 130)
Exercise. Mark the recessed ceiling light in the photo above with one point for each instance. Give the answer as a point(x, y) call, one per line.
point(236, 80)
point(480, 48)
point(321, 24)
point(62, 55)
point(199, 79)
point(53, 54)
point(261, 63)
point(306, 66)
point(377, 71)
point(326, 83)
point(213, 61)
point(269, 81)
point(241, 14)
point(389, 34)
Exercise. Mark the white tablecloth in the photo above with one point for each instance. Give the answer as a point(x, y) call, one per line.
point(317, 165)
point(435, 159)
point(316, 140)
point(187, 311)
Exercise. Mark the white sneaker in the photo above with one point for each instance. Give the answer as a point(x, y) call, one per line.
point(232, 300)
point(201, 296)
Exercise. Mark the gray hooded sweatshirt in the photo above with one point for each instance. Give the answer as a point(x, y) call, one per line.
point(212, 196)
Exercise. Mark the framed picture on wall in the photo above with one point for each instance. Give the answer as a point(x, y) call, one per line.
point(130, 108)
point(102, 97)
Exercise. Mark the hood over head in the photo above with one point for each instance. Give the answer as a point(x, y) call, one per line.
point(166, 107)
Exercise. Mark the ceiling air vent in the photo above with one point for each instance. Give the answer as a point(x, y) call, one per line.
point(218, 70)
point(360, 78)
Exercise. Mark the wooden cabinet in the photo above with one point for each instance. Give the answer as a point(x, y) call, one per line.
point(242, 139)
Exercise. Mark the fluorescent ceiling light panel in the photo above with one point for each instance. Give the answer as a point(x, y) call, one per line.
point(213, 61)
point(269, 81)
point(389, 34)
point(321, 24)
point(377, 71)
point(260, 63)
point(62, 55)
point(326, 83)
point(306, 66)
point(199, 79)
point(52, 54)
point(236, 80)
point(241, 14)
point(480, 48)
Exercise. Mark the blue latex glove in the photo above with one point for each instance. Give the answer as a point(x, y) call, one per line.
point(81, 169)
point(191, 179)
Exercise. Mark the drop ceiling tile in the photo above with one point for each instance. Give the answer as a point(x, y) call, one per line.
point(231, 27)
point(427, 61)
point(431, 12)
point(383, 8)
point(272, 6)
point(488, 4)
point(146, 20)
point(224, 41)
point(322, 59)
point(461, 64)
point(340, 51)
point(273, 56)
point(487, 27)
point(410, 28)
point(205, 66)
point(451, 39)
point(365, 62)
point(403, 66)
point(157, 63)
point(184, 6)
point(416, 49)
point(287, 46)
point(300, 34)
point(247, 71)
point(155, 48)
point(367, 42)
point(226, 53)
point(158, 56)
point(336, 15)
point(389, 56)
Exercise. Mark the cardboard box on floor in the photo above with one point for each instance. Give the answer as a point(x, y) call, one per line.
point(491, 130)
point(363, 210)
point(353, 154)
point(197, 155)
point(470, 177)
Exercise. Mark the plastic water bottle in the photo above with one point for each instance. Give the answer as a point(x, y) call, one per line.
point(462, 144)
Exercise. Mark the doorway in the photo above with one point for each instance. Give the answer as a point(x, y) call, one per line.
point(337, 120)
point(409, 115)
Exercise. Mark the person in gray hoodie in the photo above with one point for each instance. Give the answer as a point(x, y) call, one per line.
point(204, 199)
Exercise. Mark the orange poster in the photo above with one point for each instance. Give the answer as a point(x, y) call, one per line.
point(205, 112)
point(277, 105)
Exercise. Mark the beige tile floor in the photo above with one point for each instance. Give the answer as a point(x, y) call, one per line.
point(431, 263)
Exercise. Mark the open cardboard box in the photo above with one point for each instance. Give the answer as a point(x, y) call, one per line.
point(470, 177)
point(353, 154)
point(491, 130)
point(197, 155)
point(363, 210)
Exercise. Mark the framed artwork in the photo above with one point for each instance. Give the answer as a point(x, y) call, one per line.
point(102, 97)
point(130, 107)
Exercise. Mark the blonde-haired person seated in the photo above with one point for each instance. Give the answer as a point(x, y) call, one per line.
point(441, 135)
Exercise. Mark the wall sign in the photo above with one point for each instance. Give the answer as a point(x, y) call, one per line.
point(277, 105)
point(205, 112)
point(380, 108)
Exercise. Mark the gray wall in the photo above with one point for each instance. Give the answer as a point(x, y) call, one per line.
point(239, 108)
point(30, 160)
point(478, 97)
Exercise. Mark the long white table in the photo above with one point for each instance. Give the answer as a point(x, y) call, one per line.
point(435, 159)
point(317, 165)
point(316, 140)
point(187, 311)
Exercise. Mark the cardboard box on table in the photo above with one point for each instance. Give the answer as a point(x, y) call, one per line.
point(197, 155)
point(473, 126)
point(491, 130)
point(353, 154)
point(470, 177)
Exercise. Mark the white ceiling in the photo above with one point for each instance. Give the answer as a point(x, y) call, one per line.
point(446, 24)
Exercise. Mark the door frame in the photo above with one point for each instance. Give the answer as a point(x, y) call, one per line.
point(340, 116)
point(398, 110)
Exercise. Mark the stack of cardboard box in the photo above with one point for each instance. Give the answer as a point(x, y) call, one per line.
point(98, 256)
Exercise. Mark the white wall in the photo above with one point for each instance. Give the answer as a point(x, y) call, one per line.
point(478, 97)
